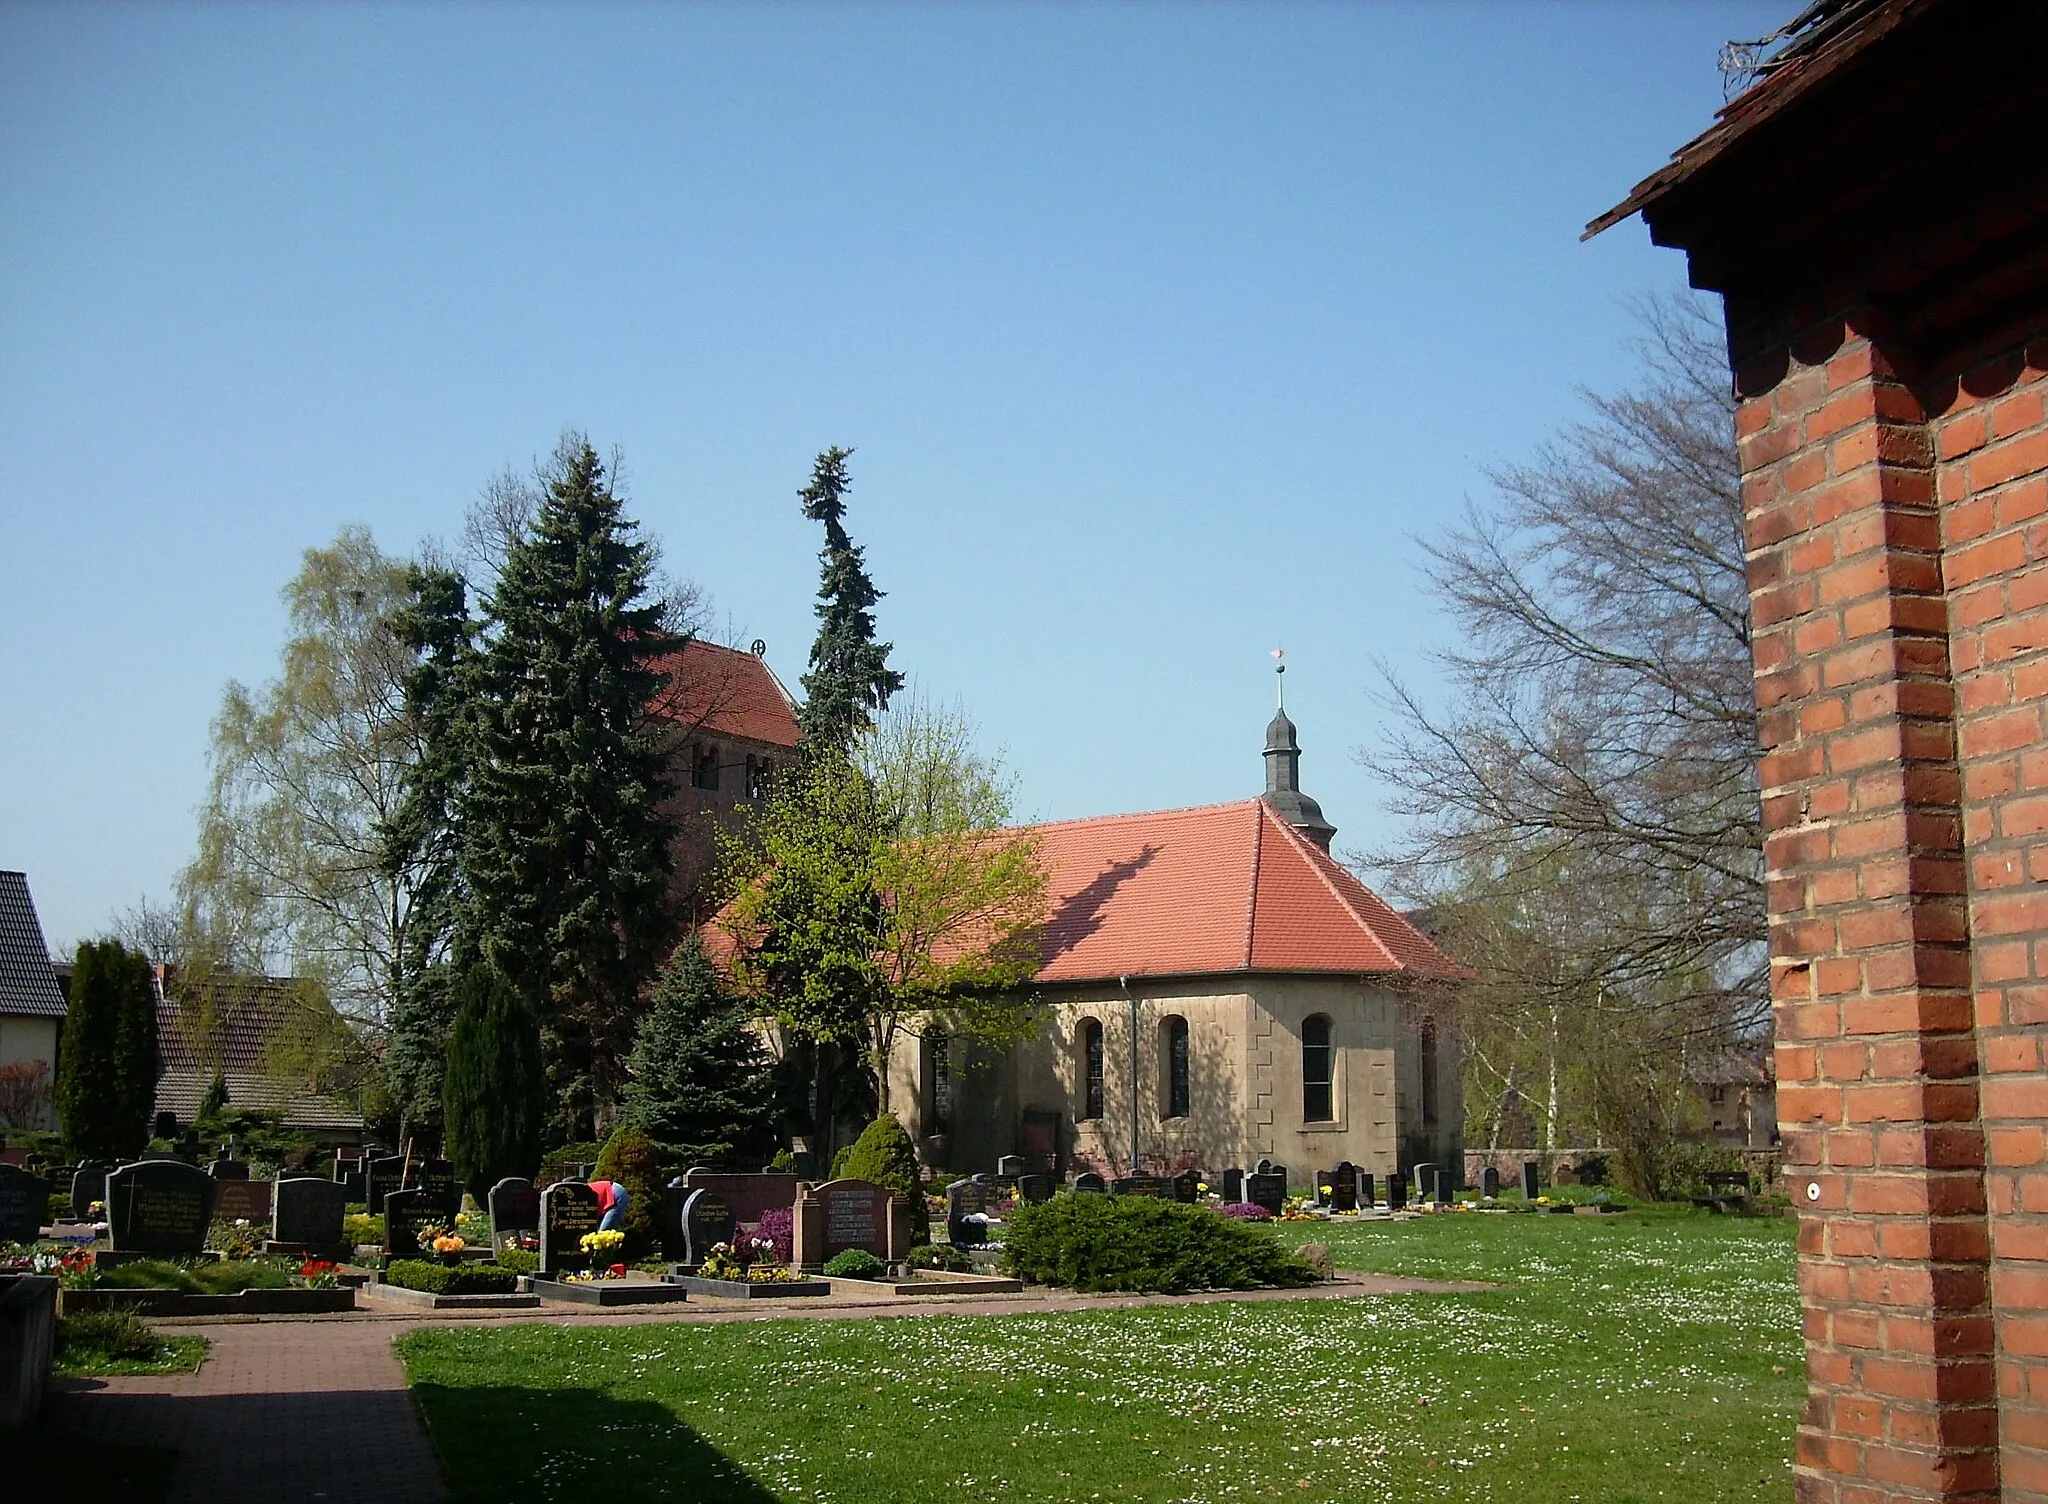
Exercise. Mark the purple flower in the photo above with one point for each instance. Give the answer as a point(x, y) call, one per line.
point(1245, 1211)
point(778, 1226)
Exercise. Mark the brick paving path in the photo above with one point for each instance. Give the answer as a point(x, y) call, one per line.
point(293, 1410)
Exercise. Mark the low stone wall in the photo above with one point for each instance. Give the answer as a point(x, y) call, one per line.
point(28, 1331)
point(1559, 1166)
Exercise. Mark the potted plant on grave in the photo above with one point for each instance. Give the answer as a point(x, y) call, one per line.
point(602, 1248)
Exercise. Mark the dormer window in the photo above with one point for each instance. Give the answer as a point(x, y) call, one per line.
point(704, 768)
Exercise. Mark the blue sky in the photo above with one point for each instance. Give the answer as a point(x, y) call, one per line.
point(1158, 330)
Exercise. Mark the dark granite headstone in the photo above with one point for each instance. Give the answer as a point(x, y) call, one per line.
point(1034, 1188)
point(1425, 1179)
point(1010, 1166)
point(307, 1211)
point(1262, 1188)
point(1531, 1186)
point(242, 1201)
point(568, 1210)
point(88, 1184)
point(1233, 1185)
point(1365, 1189)
point(383, 1174)
point(408, 1217)
point(707, 1220)
point(438, 1179)
point(1187, 1187)
point(1090, 1182)
point(966, 1199)
point(1263, 1167)
point(1446, 1186)
point(515, 1209)
point(1397, 1192)
point(229, 1169)
point(1343, 1184)
point(160, 1206)
point(1489, 1183)
point(1142, 1185)
point(24, 1198)
point(747, 1195)
point(164, 1126)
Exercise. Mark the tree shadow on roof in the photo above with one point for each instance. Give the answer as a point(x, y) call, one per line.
point(1079, 916)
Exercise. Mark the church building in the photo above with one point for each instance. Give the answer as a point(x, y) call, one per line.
point(1219, 990)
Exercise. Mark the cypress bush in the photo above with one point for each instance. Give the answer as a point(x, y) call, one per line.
point(884, 1155)
point(633, 1159)
point(106, 1081)
point(1094, 1243)
point(492, 1089)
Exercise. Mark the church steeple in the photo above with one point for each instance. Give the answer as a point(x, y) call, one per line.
point(1283, 773)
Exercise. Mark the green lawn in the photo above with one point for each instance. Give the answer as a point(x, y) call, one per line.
point(1647, 1356)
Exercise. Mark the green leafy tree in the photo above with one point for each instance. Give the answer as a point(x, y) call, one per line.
point(564, 843)
point(701, 1079)
point(106, 1083)
point(850, 680)
point(494, 1088)
point(633, 1159)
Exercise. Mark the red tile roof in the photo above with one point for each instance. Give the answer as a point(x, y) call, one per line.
point(729, 693)
point(1217, 889)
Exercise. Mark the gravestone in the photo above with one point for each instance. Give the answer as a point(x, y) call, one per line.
point(707, 1221)
point(1531, 1186)
point(568, 1210)
point(1233, 1185)
point(1187, 1187)
point(1088, 1182)
point(306, 1212)
point(23, 1200)
point(229, 1169)
point(1397, 1192)
point(1343, 1184)
point(1010, 1166)
point(843, 1214)
point(965, 1200)
point(1489, 1183)
point(747, 1195)
point(160, 1206)
point(1263, 1167)
point(515, 1209)
point(383, 1174)
point(88, 1184)
point(1446, 1185)
point(242, 1200)
point(1266, 1189)
point(1034, 1188)
point(438, 1179)
point(408, 1216)
point(1425, 1179)
point(165, 1125)
point(1365, 1190)
point(1141, 1185)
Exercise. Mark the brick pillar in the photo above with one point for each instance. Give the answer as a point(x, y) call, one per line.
point(1876, 1055)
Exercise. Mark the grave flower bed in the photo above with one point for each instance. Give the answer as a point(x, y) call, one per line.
point(1099, 1243)
point(723, 1272)
point(186, 1287)
point(1244, 1211)
point(445, 1279)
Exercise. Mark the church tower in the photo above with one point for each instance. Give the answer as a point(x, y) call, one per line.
point(1283, 777)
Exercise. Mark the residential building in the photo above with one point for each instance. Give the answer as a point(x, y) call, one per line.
point(31, 1011)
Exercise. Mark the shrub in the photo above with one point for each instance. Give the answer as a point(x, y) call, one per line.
point(1316, 1257)
point(493, 1084)
point(1136, 1243)
point(105, 1336)
point(1244, 1211)
point(231, 1277)
point(631, 1158)
point(855, 1263)
point(358, 1228)
point(941, 1256)
point(518, 1260)
point(147, 1274)
point(450, 1279)
point(884, 1155)
point(560, 1164)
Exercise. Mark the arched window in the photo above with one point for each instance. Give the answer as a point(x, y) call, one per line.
point(759, 770)
point(1091, 1068)
point(704, 774)
point(1428, 1064)
point(938, 1066)
point(1173, 1054)
point(1318, 1075)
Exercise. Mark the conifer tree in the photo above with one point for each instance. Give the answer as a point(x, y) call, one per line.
point(106, 1084)
point(564, 843)
point(701, 1082)
point(494, 1088)
point(850, 679)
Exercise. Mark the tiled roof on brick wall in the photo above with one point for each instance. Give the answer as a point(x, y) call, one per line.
point(247, 1028)
point(728, 693)
point(28, 983)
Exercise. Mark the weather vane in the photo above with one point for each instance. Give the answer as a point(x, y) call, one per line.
point(1280, 669)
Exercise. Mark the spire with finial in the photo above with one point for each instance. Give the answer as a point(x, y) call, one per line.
point(1283, 768)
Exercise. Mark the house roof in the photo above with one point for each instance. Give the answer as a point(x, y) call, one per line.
point(28, 983)
point(727, 692)
point(1223, 888)
point(248, 1028)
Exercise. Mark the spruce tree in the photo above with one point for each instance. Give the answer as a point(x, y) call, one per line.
point(701, 1078)
point(564, 840)
point(494, 1086)
point(850, 679)
point(106, 1082)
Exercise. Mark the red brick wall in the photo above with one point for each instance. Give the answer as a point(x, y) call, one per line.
point(1901, 636)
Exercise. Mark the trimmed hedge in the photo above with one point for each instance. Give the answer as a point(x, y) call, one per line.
point(1137, 1243)
point(450, 1279)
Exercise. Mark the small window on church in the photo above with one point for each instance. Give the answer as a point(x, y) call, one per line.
point(1091, 1067)
point(1173, 1050)
point(704, 774)
point(939, 1071)
point(1318, 1071)
point(1428, 1064)
point(758, 771)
